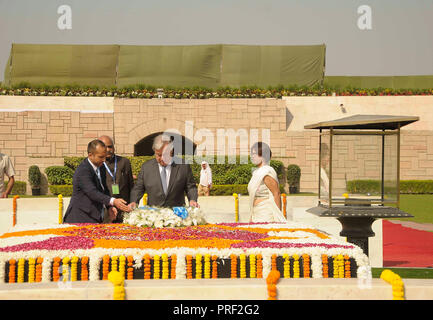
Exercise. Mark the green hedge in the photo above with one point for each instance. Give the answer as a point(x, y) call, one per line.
point(406, 186)
point(58, 175)
point(64, 190)
point(150, 92)
point(19, 187)
point(416, 186)
point(222, 174)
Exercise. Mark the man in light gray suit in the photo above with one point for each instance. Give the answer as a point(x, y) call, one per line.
point(165, 179)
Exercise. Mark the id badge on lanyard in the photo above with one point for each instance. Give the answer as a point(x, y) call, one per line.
point(115, 187)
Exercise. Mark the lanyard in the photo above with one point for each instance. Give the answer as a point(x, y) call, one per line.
point(115, 169)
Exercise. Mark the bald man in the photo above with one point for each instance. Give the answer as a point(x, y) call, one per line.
point(119, 174)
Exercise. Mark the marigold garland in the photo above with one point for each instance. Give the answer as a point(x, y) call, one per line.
point(346, 267)
point(338, 266)
point(207, 265)
point(296, 269)
point(252, 266)
point(286, 258)
point(325, 266)
point(130, 270)
point(173, 266)
point(114, 263)
point(65, 269)
point(198, 266)
point(32, 269)
point(306, 265)
point(242, 266)
point(122, 261)
point(12, 268)
point(274, 262)
point(56, 265)
point(84, 270)
point(396, 282)
point(214, 267)
point(74, 268)
point(233, 266)
point(20, 278)
point(259, 264)
point(38, 277)
point(156, 267)
point(271, 281)
point(105, 266)
point(188, 267)
point(165, 272)
point(117, 279)
point(147, 267)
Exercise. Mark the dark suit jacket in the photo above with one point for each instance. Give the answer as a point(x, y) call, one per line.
point(88, 197)
point(123, 178)
point(149, 180)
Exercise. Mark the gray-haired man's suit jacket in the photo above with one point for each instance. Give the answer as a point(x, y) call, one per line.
point(149, 181)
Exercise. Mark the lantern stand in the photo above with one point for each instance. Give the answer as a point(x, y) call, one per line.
point(357, 215)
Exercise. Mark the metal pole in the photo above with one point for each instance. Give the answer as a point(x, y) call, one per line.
point(320, 159)
point(330, 166)
point(398, 167)
point(383, 169)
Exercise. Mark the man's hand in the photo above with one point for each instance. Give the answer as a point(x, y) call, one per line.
point(194, 204)
point(132, 206)
point(3, 195)
point(121, 205)
point(112, 214)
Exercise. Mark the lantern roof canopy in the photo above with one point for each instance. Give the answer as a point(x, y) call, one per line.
point(361, 121)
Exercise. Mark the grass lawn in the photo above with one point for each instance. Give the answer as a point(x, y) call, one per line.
point(408, 273)
point(418, 205)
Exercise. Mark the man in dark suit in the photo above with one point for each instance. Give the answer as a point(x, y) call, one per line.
point(118, 174)
point(90, 195)
point(165, 179)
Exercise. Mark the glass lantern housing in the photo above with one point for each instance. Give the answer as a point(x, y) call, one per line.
point(359, 161)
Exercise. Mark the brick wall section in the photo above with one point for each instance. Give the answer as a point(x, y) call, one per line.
point(45, 137)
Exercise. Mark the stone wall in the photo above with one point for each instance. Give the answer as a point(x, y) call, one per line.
point(42, 130)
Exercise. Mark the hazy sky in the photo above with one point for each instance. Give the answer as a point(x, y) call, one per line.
point(399, 43)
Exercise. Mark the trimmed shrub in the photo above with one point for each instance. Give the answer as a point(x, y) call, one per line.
point(64, 190)
point(222, 174)
point(34, 177)
point(19, 187)
point(293, 175)
point(73, 162)
point(228, 189)
point(58, 175)
point(416, 186)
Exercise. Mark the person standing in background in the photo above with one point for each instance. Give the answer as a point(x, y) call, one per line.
point(118, 174)
point(205, 180)
point(6, 168)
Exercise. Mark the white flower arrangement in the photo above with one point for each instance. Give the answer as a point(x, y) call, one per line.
point(155, 217)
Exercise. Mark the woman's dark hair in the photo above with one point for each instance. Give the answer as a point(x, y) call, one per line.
point(263, 150)
point(91, 147)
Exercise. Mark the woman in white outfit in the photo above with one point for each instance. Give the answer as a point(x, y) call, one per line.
point(263, 188)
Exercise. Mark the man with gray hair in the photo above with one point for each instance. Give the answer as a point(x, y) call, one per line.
point(165, 179)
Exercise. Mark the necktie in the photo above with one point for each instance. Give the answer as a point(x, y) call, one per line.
point(164, 180)
point(98, 174)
